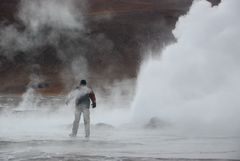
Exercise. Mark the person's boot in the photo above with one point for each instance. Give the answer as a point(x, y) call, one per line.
point(72, 135)
point(87, 138)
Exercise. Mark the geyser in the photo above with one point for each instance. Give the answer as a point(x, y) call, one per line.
point(194, 83)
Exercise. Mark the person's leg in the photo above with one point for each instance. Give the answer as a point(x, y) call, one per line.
point(86, 117)
point(76, 122)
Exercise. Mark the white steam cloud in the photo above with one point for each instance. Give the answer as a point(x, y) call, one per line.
point(42, 23)
point(53, 13)
point(195, 82)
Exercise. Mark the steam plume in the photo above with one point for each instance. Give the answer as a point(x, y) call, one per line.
point(195, 82)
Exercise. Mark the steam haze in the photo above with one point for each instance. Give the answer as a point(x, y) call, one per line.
point(62, 36)
point(161, 92)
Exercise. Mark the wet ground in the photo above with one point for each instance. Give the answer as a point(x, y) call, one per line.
point(119, 145)
point(42, 134)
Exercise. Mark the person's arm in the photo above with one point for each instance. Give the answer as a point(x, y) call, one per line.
point(69, 97)
point(93, 98)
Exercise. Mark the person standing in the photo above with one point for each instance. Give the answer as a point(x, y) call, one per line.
point(82, 96)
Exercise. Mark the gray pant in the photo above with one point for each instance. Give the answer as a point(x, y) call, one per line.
point(86, 117)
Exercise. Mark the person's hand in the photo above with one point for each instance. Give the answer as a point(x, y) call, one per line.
point(94, 105)
point(66, 102)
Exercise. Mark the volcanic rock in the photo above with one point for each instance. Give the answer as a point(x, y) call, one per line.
point(155, 123)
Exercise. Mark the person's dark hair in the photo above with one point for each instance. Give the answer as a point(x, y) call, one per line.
point(83, 82)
